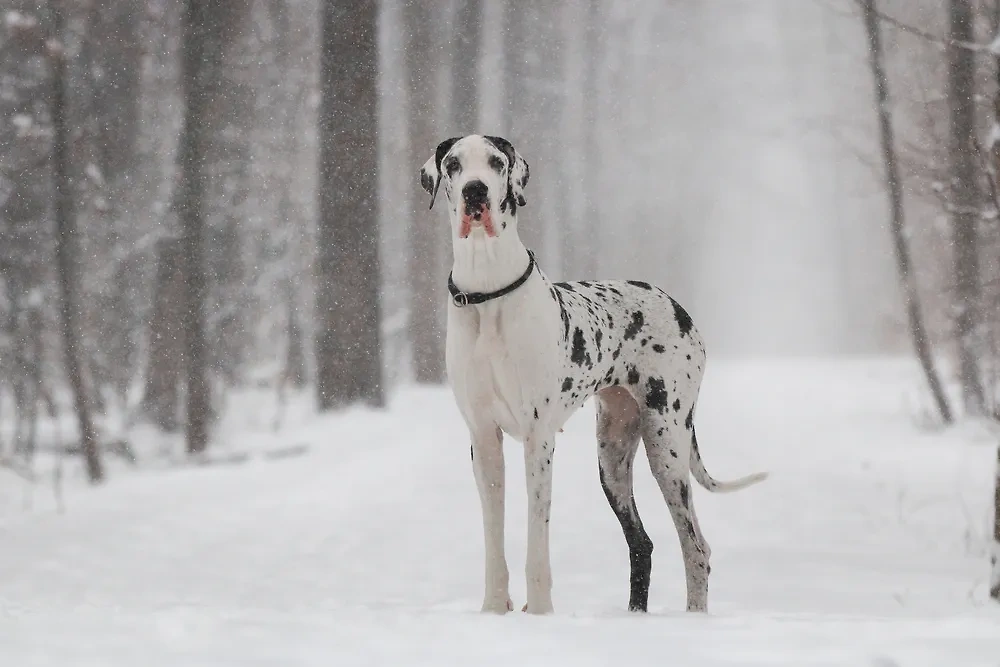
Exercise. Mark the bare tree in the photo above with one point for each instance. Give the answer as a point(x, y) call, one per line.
point(965, 203)
point(348, 341)
point(200, 59)
point(67, 244)
point(428, 234)
point(464, 95)
point(918, 332)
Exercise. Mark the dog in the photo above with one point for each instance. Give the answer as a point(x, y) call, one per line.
point(524, 353)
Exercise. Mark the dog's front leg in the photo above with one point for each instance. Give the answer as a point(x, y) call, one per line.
point(488, 466)
point(538, 472)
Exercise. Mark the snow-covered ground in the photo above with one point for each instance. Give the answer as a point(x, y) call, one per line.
point(866, 547)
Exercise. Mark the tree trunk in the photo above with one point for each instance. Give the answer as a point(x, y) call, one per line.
point(995, 556)
point(918, 332)
point(591, 240)
point(67, 243)
point(200, 59)
point(348, 343)
point(523, 80)
point(429, 236)
point(965, 204)
point(160, 401)
point(464, 68)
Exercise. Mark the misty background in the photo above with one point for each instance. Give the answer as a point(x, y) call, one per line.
point(198, 199)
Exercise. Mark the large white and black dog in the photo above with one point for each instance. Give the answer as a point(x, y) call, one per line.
point(524, 353)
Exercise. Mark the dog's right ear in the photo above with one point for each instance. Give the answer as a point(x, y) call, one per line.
point(430, 173)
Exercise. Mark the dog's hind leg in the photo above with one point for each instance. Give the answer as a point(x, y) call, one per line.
point(617, 442)
point(668, 450)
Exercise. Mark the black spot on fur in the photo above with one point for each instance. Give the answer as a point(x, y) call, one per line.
point(639, 284)
point(579, 352)
point(563, 313)
point(682, 318)
point(635, 325)
point(677, 406)
point(656, 396)
point(659, 431)
point(472, 454)
point(689, 422)
point(659, 348)
point(673, 453)
point(567, 384)
point(536, 413)
point(633, 375)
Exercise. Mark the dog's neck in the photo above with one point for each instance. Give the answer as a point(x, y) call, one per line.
point(484, 264)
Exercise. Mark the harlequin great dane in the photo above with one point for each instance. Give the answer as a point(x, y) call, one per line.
point(524, 353)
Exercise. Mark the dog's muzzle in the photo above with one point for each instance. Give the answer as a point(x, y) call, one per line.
point(475, 194)
point(476, 208)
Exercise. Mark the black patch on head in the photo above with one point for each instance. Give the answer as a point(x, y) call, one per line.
point(659, 348)
point(677, 405)
point(507, 149)
point(633, 375)
point(579, 354)
point(640, 284)
point(682, 318)
point(656, 395)
point(429, 184)
point(567, 384)
point(635, 325)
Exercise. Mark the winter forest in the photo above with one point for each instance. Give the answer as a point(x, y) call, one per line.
point(228, 435)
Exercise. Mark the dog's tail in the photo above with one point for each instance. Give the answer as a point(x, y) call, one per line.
point(713, 485)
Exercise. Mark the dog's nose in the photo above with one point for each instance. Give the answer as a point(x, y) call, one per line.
point(475, 194)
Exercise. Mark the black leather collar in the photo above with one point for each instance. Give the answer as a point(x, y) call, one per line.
point(462, 299)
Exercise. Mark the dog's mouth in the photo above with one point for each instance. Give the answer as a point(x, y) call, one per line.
point(478, 219)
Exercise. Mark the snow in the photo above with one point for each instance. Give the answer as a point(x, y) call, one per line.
point(869, 544)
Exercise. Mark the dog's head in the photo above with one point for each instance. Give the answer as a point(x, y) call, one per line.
point(483, 179)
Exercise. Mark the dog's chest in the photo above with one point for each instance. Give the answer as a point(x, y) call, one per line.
point(498, 363)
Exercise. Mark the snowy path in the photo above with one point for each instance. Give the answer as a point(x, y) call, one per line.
point(865, 548)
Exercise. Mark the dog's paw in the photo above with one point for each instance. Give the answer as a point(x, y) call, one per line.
point(497, 606)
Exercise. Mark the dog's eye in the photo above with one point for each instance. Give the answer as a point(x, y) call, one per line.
point(496, 164)
point(452, 166)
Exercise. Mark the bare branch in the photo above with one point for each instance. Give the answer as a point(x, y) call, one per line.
point(943, 42)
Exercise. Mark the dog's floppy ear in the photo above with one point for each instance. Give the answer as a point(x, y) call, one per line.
point(517, 174)
point(430, 173)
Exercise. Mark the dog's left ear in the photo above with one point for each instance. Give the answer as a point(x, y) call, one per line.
point(517, 177)
point(430, 173)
